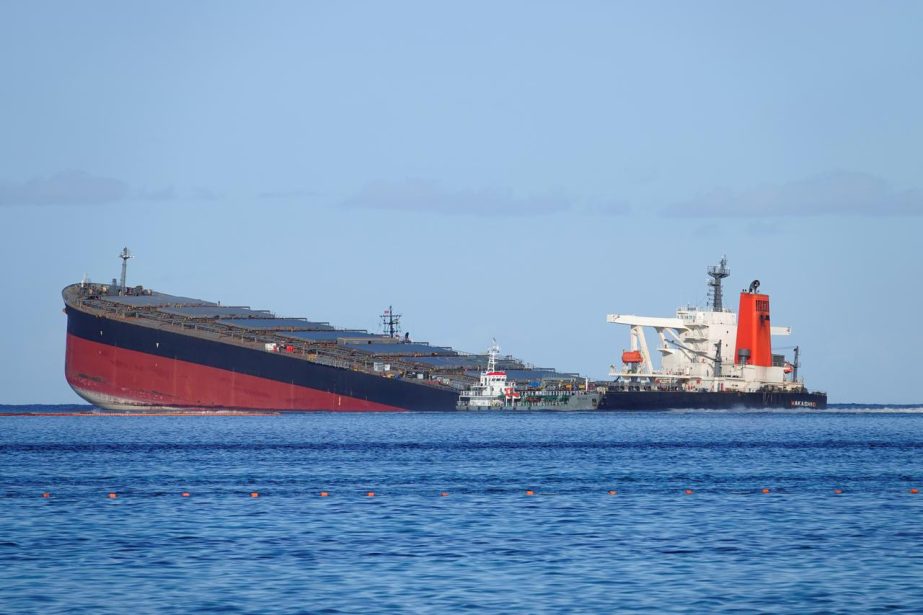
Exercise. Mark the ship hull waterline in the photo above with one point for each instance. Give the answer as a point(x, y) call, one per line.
point(711, 400)
point(123, 366)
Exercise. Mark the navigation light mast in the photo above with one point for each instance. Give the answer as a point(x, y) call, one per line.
point(717, 274)
point(390, 322)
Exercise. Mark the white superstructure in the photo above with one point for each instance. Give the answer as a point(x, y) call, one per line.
point(702, 350)
point(493, 390)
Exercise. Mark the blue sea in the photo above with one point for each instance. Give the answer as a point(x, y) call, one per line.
point(687, 526)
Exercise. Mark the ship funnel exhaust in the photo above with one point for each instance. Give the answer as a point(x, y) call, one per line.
point(754, 345)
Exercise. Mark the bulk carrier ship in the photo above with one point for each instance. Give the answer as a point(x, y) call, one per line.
point(134, 349)
point(710, 358)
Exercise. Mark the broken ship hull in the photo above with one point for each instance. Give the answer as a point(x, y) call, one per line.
point(121, 365)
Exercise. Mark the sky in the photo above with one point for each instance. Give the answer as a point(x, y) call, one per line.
point(515, 170)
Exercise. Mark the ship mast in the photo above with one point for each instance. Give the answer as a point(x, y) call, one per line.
point(390, 322)
point(125, 255)
point(717, 274)
point(492, 353)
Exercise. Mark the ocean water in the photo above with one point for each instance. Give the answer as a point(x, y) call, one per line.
point(484, 546)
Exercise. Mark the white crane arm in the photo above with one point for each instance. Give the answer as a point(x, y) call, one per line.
point(646, 321)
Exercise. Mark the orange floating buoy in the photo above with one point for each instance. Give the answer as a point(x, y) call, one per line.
point(185, 494)
point(529, 492)
point(370, 494)
point(443, 494)
point(112, 495)
point(688, 491)
point(324, 494)
point(254, 494)
point(914, 490)
point(765, 490)
point(46, 495)
point(838, 491)
point(613, 492)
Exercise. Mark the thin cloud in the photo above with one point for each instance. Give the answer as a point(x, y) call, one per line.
point(612, 207)
point(840, 193)
point(423, 195)
point(65, 188)
point(79, 188)
point(200, 193)
point(758, 228)
point(286, 194)
point(708, 231)
point(163, 194)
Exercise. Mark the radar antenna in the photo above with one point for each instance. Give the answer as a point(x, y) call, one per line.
point(390, 322)
point(717, 273)
point(125, 255)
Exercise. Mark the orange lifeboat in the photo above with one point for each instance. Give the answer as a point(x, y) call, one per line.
point(632, 356)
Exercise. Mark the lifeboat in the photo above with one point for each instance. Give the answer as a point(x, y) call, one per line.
point(632, 356)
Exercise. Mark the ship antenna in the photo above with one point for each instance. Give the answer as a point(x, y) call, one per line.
point(390, 322)
point(714, 285)
point(492, 353)
point(125, 255)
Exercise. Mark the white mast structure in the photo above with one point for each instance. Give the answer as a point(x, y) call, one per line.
point(493, 390)
point(492, 354)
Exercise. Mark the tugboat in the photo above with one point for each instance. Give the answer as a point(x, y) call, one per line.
point(495, 391)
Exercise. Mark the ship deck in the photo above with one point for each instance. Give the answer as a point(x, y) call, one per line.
point(300, 339)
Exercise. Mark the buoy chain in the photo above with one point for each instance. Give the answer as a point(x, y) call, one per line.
point(113, 495)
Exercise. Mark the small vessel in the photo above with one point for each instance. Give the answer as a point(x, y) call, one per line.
point(495, 391)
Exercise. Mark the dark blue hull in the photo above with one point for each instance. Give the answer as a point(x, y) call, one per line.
point(146, 353)
point(119, 363)
point(727, 400)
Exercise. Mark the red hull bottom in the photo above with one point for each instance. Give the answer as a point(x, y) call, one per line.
point(120, 379)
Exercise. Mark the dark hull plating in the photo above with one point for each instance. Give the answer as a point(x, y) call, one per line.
point(679, 400)
point(119, 364)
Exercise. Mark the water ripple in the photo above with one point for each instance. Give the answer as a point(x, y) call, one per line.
point(727, 548)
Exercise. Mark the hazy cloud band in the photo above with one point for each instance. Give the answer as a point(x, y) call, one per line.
point(79, 188)
point(839, 193)
point(66, 188)
point(420, 195)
